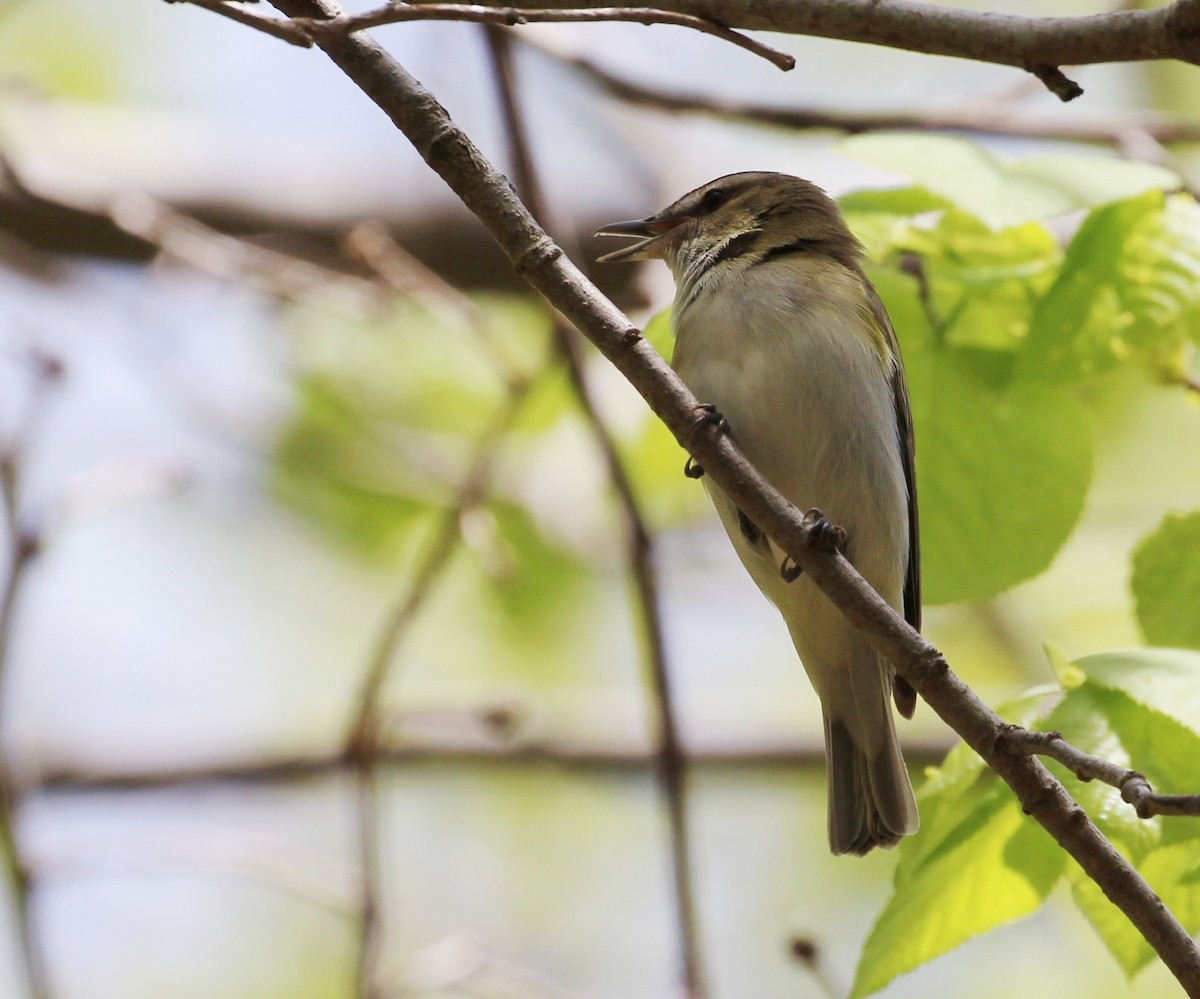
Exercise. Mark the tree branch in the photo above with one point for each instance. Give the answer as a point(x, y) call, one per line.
point(984, 118)
point(484, 14)
point(1036, 44)
point(486, 192)
point(1134, 787)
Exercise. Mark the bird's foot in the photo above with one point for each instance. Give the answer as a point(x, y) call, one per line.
point(824, 532)
point(707, 415)
point(748, 528)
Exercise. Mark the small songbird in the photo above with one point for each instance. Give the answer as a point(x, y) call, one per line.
point(778, 327)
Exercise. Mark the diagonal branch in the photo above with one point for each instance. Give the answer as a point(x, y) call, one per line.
point(486, 192)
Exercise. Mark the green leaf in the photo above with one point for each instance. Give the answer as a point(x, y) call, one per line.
point(1001, 193)
point(983, 284)
point(532, 577)
point(1129, 288)
point(1001, 473)
point(976, 863)
point(1166, 582)
point(336, 467)
point(999, 867)
point(1166, 681)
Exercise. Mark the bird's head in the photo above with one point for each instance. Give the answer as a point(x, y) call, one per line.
point(743, 218)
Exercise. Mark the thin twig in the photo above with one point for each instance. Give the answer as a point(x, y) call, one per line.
point(535, 256)
point(509, 16)
point(274, 26)
point(672, 778)
point(1134, 787)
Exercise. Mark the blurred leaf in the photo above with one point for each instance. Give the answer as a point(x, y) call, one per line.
point(1129, 288)
point(1166, 582)
point(658, 331)
point(1000, 193)
point(883, 220)
point(331, 465)
point(60, 50)
point(390, 411)
point(531, 575)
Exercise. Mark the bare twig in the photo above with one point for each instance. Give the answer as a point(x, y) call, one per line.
point(534, 255)
point(1134, 787)
point(1056, 81)
point(672, 777)
point(285, 30)
point(482, 14)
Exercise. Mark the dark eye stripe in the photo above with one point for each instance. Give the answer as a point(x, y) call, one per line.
point(740, 244)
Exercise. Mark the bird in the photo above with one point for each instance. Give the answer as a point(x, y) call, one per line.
point(781, 334)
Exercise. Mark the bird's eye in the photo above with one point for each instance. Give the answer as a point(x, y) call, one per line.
point(714, 199)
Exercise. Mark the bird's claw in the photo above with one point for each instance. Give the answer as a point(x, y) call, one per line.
point(789, 570)
point(707, 415)
point(824, 532)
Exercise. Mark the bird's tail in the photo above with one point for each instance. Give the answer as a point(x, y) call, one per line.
point(870, 797)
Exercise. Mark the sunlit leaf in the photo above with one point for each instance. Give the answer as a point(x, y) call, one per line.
point(1165, 681)
point(1166, 582)
point(1129, 289)
point(1000, 867)
point(1002, 193)
point(976, 863)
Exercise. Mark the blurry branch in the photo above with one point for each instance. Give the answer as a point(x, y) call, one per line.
point(24, 544)
point(983, 118)
point(806, 953)
point(282, 275)
point(611, 756)
point(534, 254)
point(458, 964)
point(363, 735)
point(1036, 44)
point(1135, 789)
point(639, 553)
point(176, 235)
point(370, 243)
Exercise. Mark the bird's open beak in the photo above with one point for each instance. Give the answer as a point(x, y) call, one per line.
point(651, 233)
